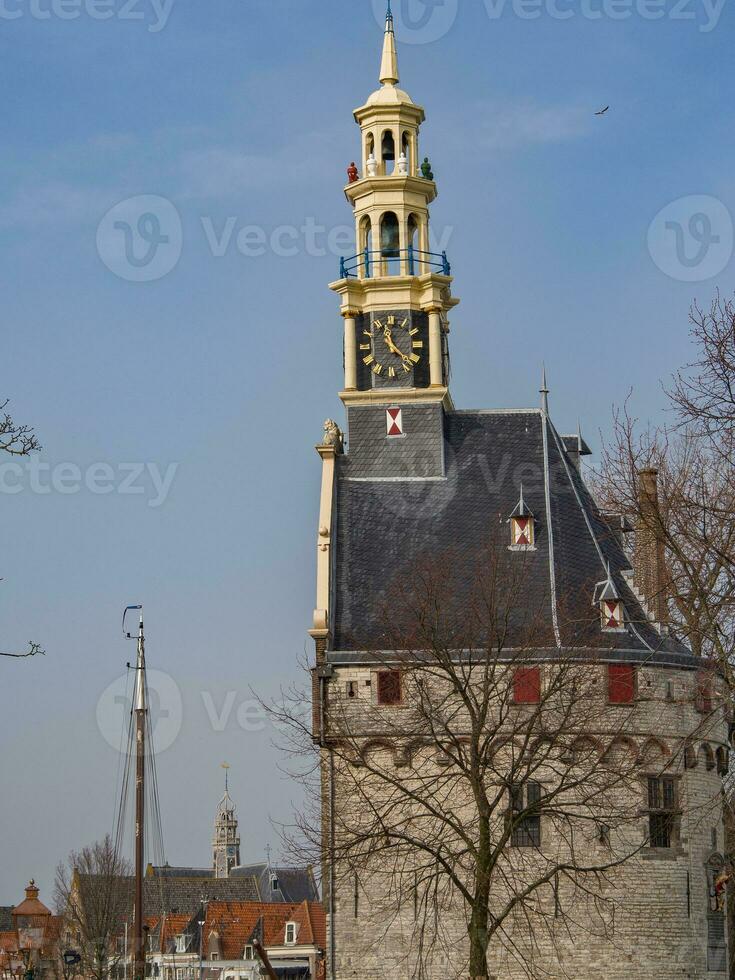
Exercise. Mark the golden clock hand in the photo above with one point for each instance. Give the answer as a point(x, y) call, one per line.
point(389, 343)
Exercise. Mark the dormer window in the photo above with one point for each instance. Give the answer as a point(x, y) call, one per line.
point(522, 527)
point(612, 611)
point(290, 933)
point(274, 883)
point(181, 944)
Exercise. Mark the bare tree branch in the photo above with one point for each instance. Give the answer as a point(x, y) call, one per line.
point(33, 649)
point(16, 439)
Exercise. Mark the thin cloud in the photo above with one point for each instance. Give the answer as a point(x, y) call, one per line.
point(527, 124)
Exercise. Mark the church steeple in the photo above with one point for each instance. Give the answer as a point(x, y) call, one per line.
point(396, 289)
point(226, 843)
point(389, 64)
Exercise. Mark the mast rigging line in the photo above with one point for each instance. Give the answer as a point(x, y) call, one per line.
point(140, 775)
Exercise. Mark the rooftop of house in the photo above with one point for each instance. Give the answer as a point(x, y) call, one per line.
point(271, 883)
point(230, 926)
point(488, 454)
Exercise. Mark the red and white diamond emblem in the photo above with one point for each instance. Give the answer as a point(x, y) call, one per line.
point(394, 421)
point(612, 615)
point(522, 531)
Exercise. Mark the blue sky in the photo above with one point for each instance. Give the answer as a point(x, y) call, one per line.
point(217, 376)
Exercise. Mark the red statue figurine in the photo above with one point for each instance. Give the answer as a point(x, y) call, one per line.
point(352, 173)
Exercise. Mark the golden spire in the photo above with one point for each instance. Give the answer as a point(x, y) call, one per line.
point(389, 63)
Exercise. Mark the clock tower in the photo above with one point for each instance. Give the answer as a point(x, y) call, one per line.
point(226, 841)
point(395, 291)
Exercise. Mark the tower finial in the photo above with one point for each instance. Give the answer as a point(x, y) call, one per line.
point(389, 64)
point(544, 391)
point(226, 767)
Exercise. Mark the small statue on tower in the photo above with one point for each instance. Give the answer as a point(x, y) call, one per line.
point(426, 172)
point(333, 436)
point(352, 173)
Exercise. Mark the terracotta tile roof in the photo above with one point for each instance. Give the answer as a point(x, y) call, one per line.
point(234, 923)
point(31, 906)
point(8, 941)
point(166, 928)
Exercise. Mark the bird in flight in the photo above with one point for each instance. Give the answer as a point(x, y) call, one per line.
point(602, 112)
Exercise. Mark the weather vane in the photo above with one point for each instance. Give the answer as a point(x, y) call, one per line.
point(226, 766)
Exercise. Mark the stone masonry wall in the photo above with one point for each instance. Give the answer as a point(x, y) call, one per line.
point(662, 896)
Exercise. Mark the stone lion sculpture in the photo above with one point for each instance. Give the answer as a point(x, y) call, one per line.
point(333, 435)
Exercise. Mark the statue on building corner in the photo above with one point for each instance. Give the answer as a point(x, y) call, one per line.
point(402, 165)
point(372, 166)
point(333, 436)
point(353, 174)
point(426, 171)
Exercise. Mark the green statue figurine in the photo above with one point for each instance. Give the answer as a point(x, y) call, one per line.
point(426, 170)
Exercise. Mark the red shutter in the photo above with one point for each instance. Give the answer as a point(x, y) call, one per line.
point(620, 683)
point(527, 685)
point(389, 687)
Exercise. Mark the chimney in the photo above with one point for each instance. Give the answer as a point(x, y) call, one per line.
point(649, 560)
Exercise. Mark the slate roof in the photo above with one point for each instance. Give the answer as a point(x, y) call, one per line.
point(182, 895)
point(6, 920)
point(294, 884)
point(385, 527)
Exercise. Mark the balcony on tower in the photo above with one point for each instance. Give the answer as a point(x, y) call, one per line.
point(403, 249)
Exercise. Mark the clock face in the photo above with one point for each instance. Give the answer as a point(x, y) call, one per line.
point(391, 346)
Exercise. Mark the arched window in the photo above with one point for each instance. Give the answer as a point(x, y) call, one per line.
point(371, 164)
point(387, 149)
point(406, 151)
point(412, 241)
point(365, 246)
point(390, 244)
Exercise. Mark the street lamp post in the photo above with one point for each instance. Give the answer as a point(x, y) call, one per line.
point(201, 940)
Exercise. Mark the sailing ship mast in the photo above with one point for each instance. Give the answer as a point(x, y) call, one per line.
point(140, 710)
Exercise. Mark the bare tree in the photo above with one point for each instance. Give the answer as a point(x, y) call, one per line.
point(498, 785)
point(692, 516)
point(18, 440)
point(704, 393)
point(93, 894)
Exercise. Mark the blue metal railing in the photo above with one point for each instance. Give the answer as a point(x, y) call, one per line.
point(363, 264)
